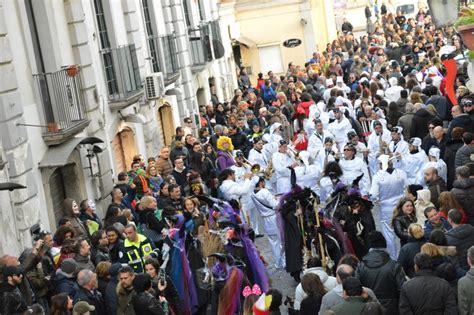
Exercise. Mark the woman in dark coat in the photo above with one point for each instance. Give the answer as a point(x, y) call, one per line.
point(403, 215)
point(145, 303)
point(452, 146)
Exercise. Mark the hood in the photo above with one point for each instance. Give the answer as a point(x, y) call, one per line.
point(423, 113)
point(318, 271)
point(461, 232)
point(60, 275)
point(424, 195)
point(464, 183)
point(376, 258)
point(448, 250)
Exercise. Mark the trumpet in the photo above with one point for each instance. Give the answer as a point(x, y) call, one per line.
point(254, 168)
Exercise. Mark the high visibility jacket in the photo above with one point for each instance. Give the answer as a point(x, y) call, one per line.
point(134, 253)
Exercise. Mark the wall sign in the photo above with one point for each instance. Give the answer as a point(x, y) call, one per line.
point(291, 43)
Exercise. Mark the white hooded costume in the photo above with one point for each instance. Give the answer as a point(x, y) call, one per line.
point(413, 163)
point(265, 203)
point(340, 128)
point(307, 175)
point(373, 144)
point(387, 189)
point(351, 169)
point(282, 174)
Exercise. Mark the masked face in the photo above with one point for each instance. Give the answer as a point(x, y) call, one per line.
point(91, 204)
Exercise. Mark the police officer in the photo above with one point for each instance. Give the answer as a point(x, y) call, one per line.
point(136, 249)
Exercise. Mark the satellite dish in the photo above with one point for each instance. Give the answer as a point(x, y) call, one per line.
point(444, 12)
point(219, 50)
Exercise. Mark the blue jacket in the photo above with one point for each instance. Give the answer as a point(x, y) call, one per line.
point(429, 227)
point(64, 284)
point(268, 94)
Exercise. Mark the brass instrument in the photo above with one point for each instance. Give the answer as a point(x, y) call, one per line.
point(296, 153)
point(254, 168)
point(269, 171)
point(382, 146)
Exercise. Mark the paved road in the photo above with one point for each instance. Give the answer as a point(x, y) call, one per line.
point(279, 278)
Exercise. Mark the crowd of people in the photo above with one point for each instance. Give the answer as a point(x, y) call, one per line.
point(358, 168)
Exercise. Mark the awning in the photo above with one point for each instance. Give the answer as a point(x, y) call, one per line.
point(245, 41)
point(11, 186)
point(58, 155)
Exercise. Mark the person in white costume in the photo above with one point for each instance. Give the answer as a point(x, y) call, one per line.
point(317, 138)
point(326, 155)
point(414, 162)
point(436, 162)
point(352, 167)
point(310, 123)
point(265, 203)
point(246, 202)
point(388, 186)
point(269, 147)
point(282, 162)
point(379, 136)
point(307, 174)
point(361, 148)
point(256, 154)
point(275, 132)
point(340, 127)
point(398, 146)
point(330, 177)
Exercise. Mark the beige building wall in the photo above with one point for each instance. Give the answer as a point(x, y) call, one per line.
point(270, 23)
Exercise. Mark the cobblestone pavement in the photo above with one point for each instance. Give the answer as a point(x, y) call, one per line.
point(279, 279)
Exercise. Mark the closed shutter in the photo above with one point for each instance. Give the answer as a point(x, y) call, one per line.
point(118, 154)
point(167, 125)
point(58, 193)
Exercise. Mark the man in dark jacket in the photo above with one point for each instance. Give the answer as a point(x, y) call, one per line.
point(143, 301)
point(239, 139)
point(436, 184)
point(466, 287)
point(125, 291)
point(434, 222)
point(381, 274)
point(463, 190)
point(461, 236)
point(87, 281)
point(65, 279)
point(426, 293)
point(463, 155)
point(355, 301)
point(452, 146)
point(419, 124)
point(12, 300)
point(460, 120)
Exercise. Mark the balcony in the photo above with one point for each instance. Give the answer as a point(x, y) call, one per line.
point(63, 104)
point(164, 56)
point(124, 85)
point(205, 44)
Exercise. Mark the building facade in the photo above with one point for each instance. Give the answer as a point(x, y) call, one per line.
point(87, 84)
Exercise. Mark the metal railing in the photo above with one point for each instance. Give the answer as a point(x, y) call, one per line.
point(215, 30)
point(122, 72)
point(61, 98)
point(200, 44)
point(164, 54)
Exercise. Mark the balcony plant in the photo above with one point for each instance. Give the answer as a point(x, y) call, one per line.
point(465, 26)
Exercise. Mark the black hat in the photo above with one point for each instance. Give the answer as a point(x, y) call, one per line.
point(377, 240)
point(351, 134)
point(283, 142)
point(12, 271)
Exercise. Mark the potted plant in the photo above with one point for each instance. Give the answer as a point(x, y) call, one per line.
point(72, 70)
point(465, 27)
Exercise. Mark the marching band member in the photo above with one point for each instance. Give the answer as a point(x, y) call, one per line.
point(360, 147)
point(224, 152)
point(310, 123)
point(269, 147)
point(256, 155)
point(327, 155)
point(398, 144)
point(275, 132)
point(230, 189)
point(307, 174)
point(282, 162)
point(437, 163)
point(240, 170)
point(352, 167)
point(265, 202)
point(377, 144)
point(414, 162)
point(317, 138)
point(388, 186)
point(340, 127)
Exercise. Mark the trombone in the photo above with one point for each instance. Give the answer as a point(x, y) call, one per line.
point(296, 153)
point(254, 168)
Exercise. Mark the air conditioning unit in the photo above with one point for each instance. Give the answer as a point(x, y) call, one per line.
point(154, 86)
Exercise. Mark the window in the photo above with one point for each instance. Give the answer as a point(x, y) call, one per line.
point(111, 79)
point(201, 10)
point(152, 40)
point(187, 16)
point(270, 59)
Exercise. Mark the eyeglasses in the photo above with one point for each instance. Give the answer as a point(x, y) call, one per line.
point(347, 149)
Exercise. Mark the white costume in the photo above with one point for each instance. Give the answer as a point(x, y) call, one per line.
point(439, 164)
point(414, 163)
point(325, 188)
point(340, 128)
point(282, 173)
point(245, 199)
point(239, 191)
point(307, 175)
point(274, 137)
point(360, 147)
point(373, 144)
point(316, 141)
point(259, 158)
point(387, 189)
point(265, 203)
point(352, 169)
point(324, 157)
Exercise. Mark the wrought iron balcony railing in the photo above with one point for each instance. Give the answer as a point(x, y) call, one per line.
point(164, 55)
